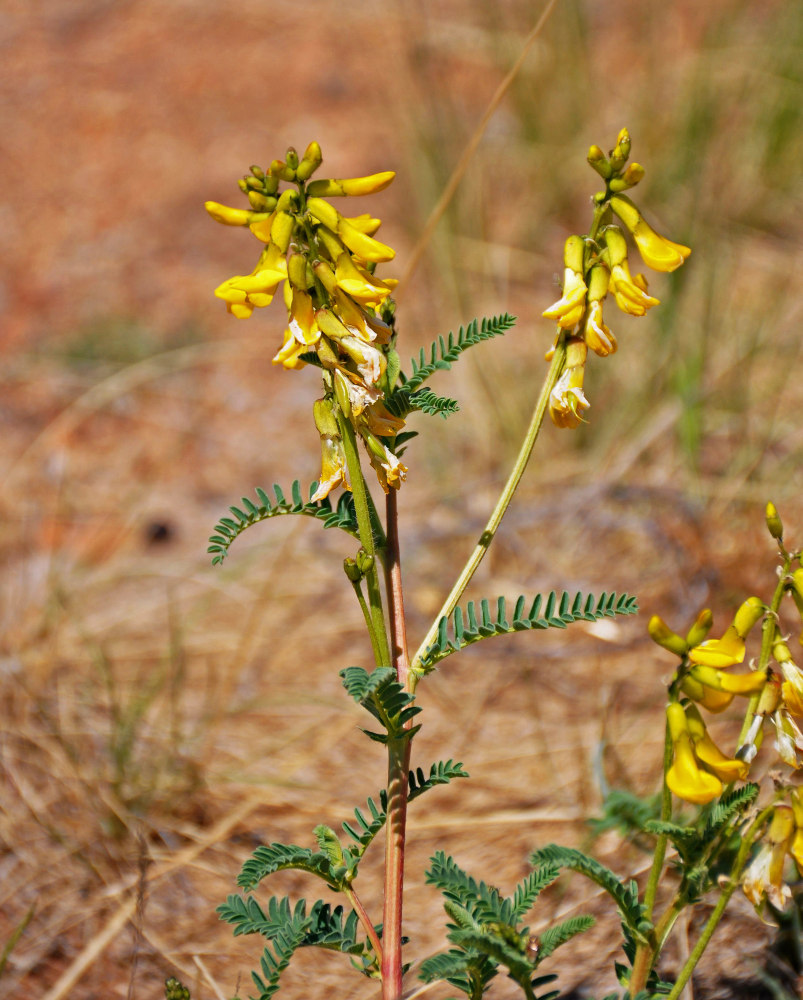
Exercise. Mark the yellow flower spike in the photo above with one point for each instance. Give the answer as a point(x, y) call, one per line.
point(764, 877)
point(744, 684)
point(334, 470)
point(711, 699)
point(724, 652)
point(663, 635)
point(630, 296)
point(359, 283)
point(597, 335)
point(350, 186)
point(230, 216)
point(569, 309)
point(364, 247)
point(684, 777)
point(656, 251)
point(700, 628)
point(567, 400)
point(727, 769)
point(310, 161)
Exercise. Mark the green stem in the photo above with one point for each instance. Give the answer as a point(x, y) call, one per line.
point(660, 847)
point(356, 903)
point(487, 536)
point(369, 622)
point(379, 637)
point(769, 629)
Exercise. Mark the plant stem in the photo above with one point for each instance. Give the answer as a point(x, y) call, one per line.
point(369, 622)
point(395, 829)
point(356, 903)
point(487, 536)
point(398, 767)
point(660, 847)
point(377, 630)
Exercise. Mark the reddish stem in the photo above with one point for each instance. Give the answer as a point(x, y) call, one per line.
point(398, 767)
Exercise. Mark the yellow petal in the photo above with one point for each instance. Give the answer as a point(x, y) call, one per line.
point(657, 252)
point(229, 216)
point(724, 652)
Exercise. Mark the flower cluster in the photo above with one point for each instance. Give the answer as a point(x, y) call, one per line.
point(596, 265)
point(705, 679)
point(340, 315)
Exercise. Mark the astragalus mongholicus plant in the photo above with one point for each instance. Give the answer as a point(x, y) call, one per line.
point(328, 270)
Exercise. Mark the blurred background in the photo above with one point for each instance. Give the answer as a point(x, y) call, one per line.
point(157, 722)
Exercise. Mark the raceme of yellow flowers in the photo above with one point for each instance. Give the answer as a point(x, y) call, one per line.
point(596, 265)
point(705, 680)
point(340, 315)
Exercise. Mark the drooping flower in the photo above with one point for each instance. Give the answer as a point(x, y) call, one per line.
point(764, 876)
point(730, 649)
point(727, 769)
point(656, 251)
point(685, 777)
point(334, 471)
point(569, 309)
point(630, 292)
point(567, 400)
point(596, 334)
point(792, 687)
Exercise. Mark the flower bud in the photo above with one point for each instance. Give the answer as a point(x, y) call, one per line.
point(258, 201)
point(281, 170)
point(747, 615)
point(311, 160)
point(774, 523)
point(352, 570)
point(661, 633)
point(297, 271)
point(292, 158)
point(621, 151)
point(242, 185)
point(599, 161)
point(700, 628)
point(257, 171)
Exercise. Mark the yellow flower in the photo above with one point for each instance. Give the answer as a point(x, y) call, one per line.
point(657, 252)
point(764, 877)
point(388, 467)
point(708, 753)
point(567, 399)
point(788, 737)
point(708, 697)
point(333, 458)
point(230, 216)
point(359, 283)
point(630, 292)
point(792, 687)
point(569, 309)
point(730, 649)
point(684, 777)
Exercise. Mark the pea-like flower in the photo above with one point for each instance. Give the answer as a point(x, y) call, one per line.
point(567, 400)
point(792, 687)
point(569, 309)
point(656, 251)
point(764, 876)
point(685, 777)
point(629, 292)
point(334, 471)
point(730, 649)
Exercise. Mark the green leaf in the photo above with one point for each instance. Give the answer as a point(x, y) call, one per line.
point(380, 693)
point(404, 401)
point(468, 627)
point(363, 830)
point(625, 896)
point(444, 351)
point(553, 937)
point(270, 858)
point(342, 516)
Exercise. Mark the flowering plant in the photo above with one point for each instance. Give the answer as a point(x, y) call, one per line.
point(341, 320)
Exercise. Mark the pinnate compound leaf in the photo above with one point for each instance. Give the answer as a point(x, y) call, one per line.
point(270, 858)
point(553, 937)
point(446, 350)
point(624, 895)
point(380, 693)
point(341, 516)
point(479, 622)
point(364, 829)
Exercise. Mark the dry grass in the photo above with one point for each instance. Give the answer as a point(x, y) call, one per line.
point(154, 723)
